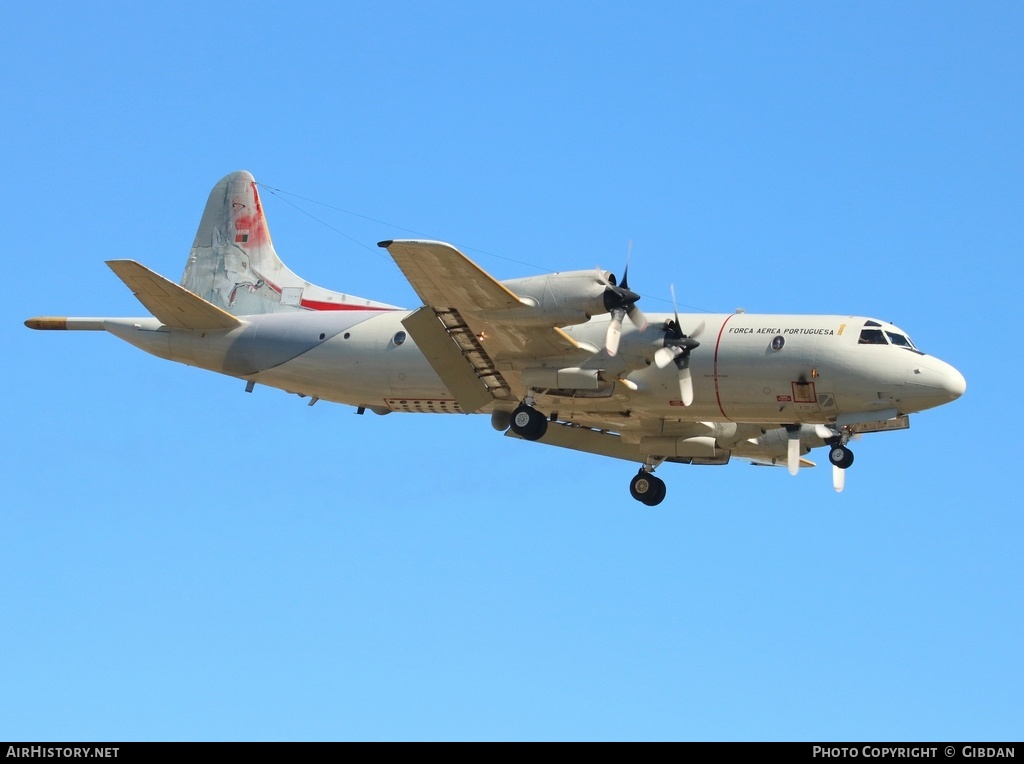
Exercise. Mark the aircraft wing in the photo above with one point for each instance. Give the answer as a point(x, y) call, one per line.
point(470, 323)
point(448, 281)
point(441, 275)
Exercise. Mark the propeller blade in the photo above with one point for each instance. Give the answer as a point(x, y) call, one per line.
point(685, 386)
point(838, 479)
point(611, 341)
point(698, 331)
point(666, 355)
point(625, 272)
point(793, 456)
point(637, 317)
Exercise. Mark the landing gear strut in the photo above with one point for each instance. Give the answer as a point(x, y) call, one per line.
point(646, 488)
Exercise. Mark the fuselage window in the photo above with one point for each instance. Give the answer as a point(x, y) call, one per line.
point(872, 337)
point(399, 338)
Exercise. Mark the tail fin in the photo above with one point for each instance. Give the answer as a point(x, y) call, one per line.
point(234, 266)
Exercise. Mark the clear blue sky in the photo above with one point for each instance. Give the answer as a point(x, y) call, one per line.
point(181, 560)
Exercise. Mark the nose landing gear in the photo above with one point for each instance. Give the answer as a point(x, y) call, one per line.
point(840, 456)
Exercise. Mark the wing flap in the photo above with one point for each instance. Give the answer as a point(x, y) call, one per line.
point(172, 304)
point(448, 360)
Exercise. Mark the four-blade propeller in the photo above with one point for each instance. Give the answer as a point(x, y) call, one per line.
point(620, 302)
point(677, 349)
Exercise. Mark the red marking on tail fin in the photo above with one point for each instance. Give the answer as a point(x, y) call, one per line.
point(251, 226)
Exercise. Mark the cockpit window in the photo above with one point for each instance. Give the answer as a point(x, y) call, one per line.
point(872, 337)
point(900, 339)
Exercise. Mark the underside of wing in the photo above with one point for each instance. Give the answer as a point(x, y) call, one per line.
point(642, 449)
point(589, 440)
point(629, 435)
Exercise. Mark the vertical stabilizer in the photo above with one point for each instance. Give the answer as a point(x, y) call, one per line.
point(234, 266)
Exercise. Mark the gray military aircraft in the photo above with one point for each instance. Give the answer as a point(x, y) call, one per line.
point(551, 358)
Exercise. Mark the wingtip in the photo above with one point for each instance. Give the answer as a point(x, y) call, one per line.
point(386, 243)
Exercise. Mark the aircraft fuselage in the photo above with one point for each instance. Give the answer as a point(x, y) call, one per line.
point(748, 368)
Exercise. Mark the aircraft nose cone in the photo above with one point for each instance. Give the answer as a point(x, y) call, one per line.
point(954, 383)
point(933, 383)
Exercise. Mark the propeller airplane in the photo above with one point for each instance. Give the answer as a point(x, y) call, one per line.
point(549, 357)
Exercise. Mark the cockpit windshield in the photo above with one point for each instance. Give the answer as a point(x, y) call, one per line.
point(872, 337)
point(874, 334)
point(900, 339)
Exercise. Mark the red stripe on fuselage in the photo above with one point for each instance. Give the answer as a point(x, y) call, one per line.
point(718, 342)
point(315, 305)
point(320, 305)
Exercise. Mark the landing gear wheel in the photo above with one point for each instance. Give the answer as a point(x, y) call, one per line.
point(528, 423)
point(647, 489)
point(841, 457)
point(658, 495)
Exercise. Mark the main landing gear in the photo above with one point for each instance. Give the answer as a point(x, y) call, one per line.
point(528, 423)
point(646, 488)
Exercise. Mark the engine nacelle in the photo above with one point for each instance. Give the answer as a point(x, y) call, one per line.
point(564, 379)
point(561, 299)
point(776, 442)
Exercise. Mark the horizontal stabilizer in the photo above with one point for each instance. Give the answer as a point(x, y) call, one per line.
point(173, 305)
